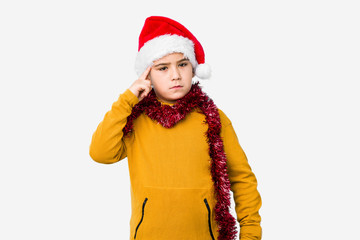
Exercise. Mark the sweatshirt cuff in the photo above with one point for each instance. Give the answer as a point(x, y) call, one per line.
point(130, 98)
point(250, 232)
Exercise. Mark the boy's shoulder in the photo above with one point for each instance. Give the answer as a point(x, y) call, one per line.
point(223, 118)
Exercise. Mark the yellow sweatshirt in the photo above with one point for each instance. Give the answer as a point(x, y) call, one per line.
point(172, 194)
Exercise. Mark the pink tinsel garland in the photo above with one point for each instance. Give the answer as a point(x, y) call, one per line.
point(168, 116)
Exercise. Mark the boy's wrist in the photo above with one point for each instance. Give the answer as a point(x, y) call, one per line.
point(130, 97)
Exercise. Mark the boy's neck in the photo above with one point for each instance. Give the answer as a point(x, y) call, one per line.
point(164, 102)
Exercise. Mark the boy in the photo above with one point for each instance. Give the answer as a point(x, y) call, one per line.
point(183, 153)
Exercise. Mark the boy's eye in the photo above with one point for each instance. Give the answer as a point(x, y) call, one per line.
point(162, 69)
point(184, 64)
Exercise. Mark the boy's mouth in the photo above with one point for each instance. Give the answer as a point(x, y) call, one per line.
point(178, 86)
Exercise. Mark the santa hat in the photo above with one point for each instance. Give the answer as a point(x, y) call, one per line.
point(161, 36)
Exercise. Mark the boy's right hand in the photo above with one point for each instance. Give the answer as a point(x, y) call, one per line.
point(142, 86)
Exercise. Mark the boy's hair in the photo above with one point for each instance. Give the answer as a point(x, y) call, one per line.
point(161, 36)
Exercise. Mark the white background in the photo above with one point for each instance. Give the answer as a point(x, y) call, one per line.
point(285, 72)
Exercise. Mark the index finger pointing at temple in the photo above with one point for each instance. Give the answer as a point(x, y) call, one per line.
point(145, 73)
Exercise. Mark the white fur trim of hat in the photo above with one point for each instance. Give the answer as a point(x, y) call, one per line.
point(163, 45)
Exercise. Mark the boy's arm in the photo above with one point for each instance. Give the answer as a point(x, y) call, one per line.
point(243, 184)
point(107, 145)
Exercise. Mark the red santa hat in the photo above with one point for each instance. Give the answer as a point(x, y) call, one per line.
point(161, 36)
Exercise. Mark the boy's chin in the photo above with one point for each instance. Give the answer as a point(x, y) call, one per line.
point(179, 95)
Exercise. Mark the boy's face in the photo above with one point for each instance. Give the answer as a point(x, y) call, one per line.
point(171, 77)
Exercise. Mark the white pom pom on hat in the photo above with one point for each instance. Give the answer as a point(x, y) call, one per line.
point(203, 71)
point(161, 36)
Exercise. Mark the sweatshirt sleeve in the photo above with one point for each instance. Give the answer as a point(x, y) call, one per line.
point(107, 145)
point(243, 184)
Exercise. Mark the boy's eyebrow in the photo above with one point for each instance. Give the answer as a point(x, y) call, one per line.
point(182, 60)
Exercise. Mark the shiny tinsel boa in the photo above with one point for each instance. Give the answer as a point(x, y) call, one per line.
point(168, 116)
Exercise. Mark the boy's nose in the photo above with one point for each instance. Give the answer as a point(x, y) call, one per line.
point(176, 74)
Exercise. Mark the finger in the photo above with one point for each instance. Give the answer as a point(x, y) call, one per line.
point(143, 87)
point(145, 74)
point(145, 92)
point(142, 95)
point(148, 83)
